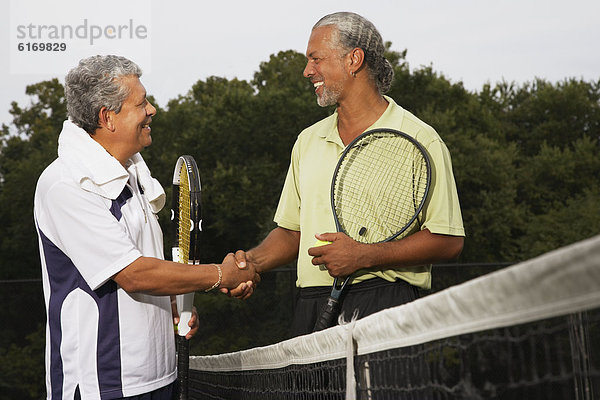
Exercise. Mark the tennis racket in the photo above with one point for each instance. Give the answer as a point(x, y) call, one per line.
point(187, 220)
point(378, 189)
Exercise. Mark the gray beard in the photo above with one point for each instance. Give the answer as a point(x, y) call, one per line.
point(329, 97)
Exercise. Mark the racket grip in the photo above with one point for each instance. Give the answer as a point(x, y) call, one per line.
point(185, 304)
point(329, 313)
point(183, 367)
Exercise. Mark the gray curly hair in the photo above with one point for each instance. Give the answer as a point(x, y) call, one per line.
point(96, 83)
point(355, 31)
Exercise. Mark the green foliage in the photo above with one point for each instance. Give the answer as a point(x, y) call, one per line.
point(23, 157)
point(553, 114)
point(22, 368)
point(526, 161)
point(565, 206)
point(578, 218)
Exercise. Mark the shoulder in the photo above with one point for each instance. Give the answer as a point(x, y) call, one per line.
point(405, 121)
point(55, 175)
point(57, 188)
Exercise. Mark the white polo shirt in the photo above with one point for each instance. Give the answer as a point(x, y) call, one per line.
point(94, 218)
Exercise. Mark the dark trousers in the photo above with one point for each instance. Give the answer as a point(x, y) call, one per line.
point(367, 297)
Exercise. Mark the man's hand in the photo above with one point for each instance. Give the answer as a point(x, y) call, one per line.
point(193, 323)
point(342, 257)
point(244, 289)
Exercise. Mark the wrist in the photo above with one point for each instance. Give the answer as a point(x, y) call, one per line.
point(219, 280)
point(251, 259)
point(366, 254)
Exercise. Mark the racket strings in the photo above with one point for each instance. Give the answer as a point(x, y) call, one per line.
point(379, 187)
point(184, 227)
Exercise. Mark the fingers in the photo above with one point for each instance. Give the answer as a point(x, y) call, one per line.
point(323, 239)
point(174, 311)
point(243, 291)
point(193, 323)
point(240, 259)
point(327, 237)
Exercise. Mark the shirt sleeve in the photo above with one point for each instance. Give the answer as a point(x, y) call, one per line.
point(441, 213)
point(287, 214)
point(81, 225)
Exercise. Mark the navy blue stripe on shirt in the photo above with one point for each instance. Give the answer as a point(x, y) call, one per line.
point(115, 208)
point(64, 278)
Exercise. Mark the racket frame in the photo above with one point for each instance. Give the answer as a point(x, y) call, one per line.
point(185, 302)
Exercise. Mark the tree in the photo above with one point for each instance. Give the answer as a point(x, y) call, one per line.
point(23, 156)
point(541, 112)
point(560, 188)
point(22, 368)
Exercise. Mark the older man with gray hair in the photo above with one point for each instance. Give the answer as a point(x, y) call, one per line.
point(107, 288)
point(346, 64)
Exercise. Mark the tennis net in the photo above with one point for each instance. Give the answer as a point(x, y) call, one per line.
point(529, 331)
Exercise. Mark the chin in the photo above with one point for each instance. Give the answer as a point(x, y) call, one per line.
point(146, 141)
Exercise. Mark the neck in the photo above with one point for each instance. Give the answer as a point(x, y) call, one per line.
point(358, 113)
point(111, 148)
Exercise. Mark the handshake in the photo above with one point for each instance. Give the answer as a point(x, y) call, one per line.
point(239, 276)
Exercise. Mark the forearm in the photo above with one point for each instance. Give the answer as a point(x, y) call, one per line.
point(160, 277)
point(280, 247)
point(420, 248)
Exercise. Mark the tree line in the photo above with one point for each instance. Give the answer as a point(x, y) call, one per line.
point(526, 160)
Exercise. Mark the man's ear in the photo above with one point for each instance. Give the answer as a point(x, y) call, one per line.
point(106, 119)
point(357, 59)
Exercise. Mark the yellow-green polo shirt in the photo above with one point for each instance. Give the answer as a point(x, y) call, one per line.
point(305, 203)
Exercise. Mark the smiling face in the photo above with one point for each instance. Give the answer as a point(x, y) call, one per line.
point(325, 66)
point(132, 123)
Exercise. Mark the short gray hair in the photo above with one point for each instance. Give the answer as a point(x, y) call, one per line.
point(355, 31)
point(96, 83)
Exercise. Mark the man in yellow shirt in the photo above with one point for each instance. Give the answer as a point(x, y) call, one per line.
point(348, 69)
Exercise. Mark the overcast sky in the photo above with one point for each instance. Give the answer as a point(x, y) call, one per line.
point(473, 41)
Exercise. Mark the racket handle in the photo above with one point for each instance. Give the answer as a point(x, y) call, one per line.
point(185, 304)
point(183, 367)
point(329, 313)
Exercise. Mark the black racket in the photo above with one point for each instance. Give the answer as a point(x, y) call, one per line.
point(377, 192)
point(186, 216)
